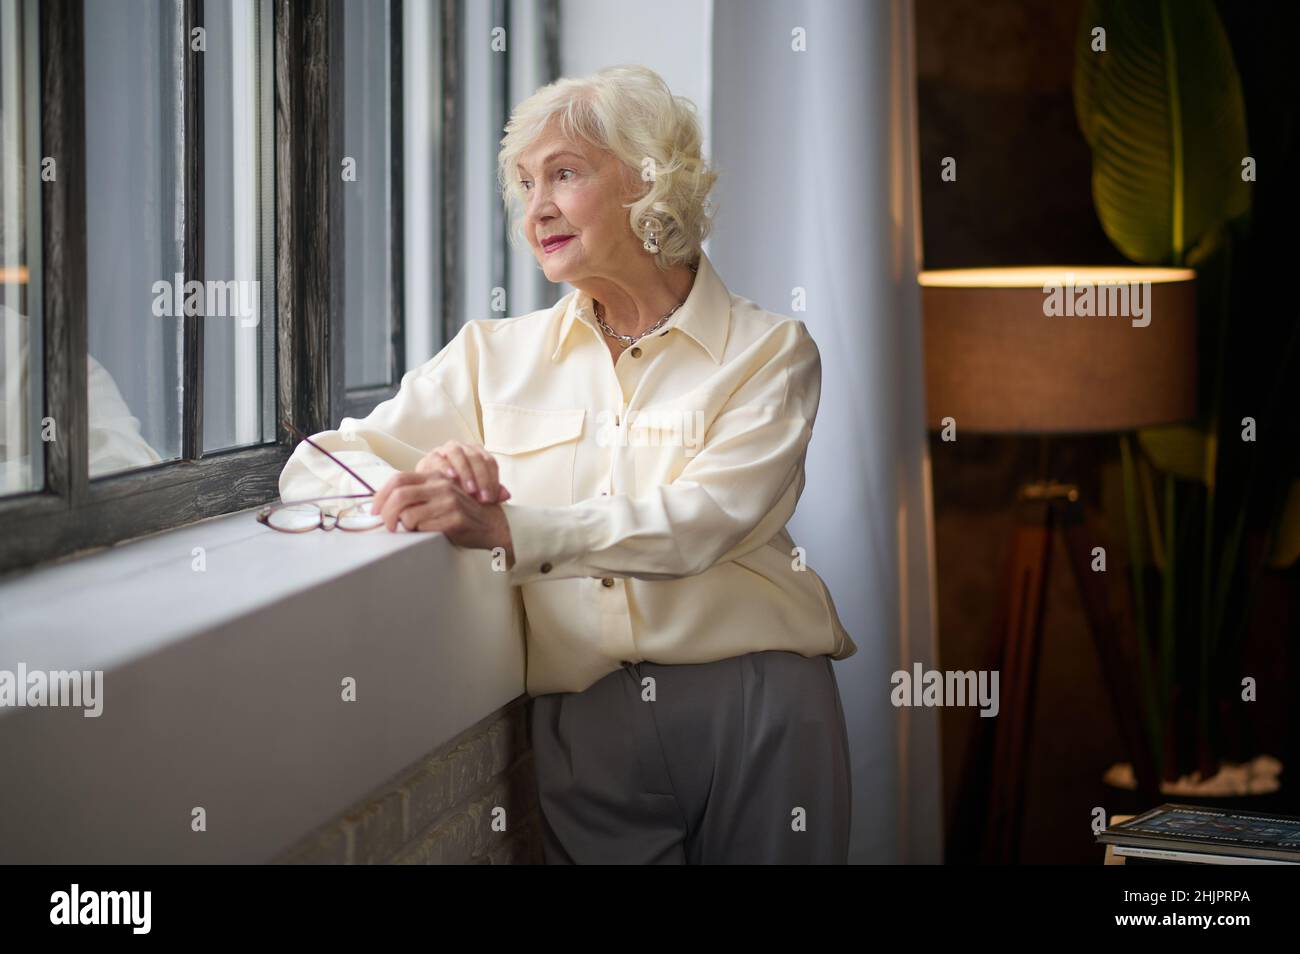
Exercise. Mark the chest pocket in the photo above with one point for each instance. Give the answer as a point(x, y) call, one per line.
point(535, 450)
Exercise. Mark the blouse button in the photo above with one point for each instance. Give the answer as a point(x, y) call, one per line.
point(546, 568)
point(636, 352)
point(607, 581)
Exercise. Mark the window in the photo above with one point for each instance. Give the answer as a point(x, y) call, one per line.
point(238, 225)
point(135, 138)
point(369, 237)
point(142, 382)
point(21, 462)
point(220, 215)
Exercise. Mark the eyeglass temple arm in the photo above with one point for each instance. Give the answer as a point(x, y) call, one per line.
point(307, 500)
point(329, 455)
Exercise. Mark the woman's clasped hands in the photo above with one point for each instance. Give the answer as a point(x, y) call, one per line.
point(454, 490)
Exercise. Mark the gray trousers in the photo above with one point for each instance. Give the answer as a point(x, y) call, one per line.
point(740, 761)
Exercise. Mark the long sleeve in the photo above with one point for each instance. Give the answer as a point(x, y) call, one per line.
point(732, 496)
point(435, 403)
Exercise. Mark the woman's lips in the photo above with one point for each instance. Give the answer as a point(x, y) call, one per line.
point(550, 247)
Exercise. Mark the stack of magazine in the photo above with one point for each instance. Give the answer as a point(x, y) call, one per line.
point(1194, 834)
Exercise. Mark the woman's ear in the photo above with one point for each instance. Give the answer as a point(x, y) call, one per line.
point(634, 187)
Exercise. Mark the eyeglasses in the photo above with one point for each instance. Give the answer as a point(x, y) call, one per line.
point(302, 516)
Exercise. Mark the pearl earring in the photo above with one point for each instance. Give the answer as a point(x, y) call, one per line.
point(650, 245)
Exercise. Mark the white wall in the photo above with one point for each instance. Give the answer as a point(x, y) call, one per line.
point(672, 37)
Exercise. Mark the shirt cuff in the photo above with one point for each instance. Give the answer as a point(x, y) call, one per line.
point(550, 543)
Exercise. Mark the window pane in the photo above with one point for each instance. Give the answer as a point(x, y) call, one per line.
point(134, 231)
point(367, 199)
point(421, 186)
point(21, 457)
point(479, 242)
point(238, 236)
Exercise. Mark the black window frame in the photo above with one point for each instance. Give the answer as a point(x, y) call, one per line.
point(72, 514)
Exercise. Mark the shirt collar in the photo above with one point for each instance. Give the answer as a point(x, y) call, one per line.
point(705, 316)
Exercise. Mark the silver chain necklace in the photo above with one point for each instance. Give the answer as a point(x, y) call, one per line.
point(633, 339)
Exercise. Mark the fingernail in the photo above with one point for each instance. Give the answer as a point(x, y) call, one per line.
point(469, 485)
point(483, 495)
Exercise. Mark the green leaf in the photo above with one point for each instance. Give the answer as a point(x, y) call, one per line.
point(1163, 113)
point(1176, 449)
point(1286, 547)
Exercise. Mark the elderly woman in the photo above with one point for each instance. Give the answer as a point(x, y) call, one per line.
point(630, 457)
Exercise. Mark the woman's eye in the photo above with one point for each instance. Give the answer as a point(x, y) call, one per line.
point(525, 184)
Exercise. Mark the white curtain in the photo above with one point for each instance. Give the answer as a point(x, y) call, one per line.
point(818, 192)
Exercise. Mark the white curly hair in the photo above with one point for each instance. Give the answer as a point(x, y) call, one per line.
point(630, 112)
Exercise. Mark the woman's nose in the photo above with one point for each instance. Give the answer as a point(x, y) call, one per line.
point(538, 202)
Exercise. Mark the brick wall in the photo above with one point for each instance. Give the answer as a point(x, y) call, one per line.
point(441, 810)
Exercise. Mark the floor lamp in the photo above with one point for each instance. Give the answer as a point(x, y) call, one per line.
point(1041, 351)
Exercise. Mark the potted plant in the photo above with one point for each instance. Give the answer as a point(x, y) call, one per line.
point(1159, 102)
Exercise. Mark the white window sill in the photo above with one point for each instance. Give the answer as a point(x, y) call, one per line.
point(222, 688)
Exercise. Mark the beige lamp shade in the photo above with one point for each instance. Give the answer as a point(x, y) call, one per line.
point(1056, 349)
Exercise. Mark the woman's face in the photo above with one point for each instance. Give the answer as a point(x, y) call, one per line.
point(573, 189)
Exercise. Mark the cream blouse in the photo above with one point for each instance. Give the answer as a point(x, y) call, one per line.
point(649, 497)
